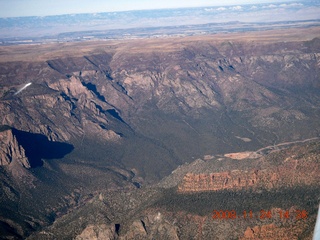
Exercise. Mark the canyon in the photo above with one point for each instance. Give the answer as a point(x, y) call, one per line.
point(142, 139)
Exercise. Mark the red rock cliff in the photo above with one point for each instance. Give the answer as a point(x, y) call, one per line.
point(291, 172)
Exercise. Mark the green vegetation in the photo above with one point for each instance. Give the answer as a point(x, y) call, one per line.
point(205, 202)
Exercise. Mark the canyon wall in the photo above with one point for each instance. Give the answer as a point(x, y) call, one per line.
point(10, 149)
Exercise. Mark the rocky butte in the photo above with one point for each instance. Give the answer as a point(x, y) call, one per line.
point(108, 140)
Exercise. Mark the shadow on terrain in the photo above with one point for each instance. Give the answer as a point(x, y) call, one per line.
point(38, 147)
point(203, 203)
point(93, 88)
point(115, 114)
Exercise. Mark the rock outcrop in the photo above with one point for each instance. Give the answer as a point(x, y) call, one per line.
point(290, 172)
point(10, 149)
point(152, 226)
point(97, 232)
point(218, 181)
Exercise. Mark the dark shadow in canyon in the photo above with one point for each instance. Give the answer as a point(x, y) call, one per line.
point(38, 147)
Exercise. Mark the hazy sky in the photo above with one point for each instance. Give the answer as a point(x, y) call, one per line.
point(16, 8)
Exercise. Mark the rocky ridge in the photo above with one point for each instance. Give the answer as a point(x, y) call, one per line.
point(290, 173)
point(123, 115)
point(10, 149)
point(169, 213)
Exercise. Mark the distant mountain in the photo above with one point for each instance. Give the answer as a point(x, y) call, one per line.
point(104, 25)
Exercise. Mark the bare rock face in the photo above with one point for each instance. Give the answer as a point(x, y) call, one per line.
point(11, 150)
point(136, 231)
point(289, 173)
point(153, 226)
point(97, 232)
point(96, 130)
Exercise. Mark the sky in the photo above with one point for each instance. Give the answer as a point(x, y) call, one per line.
point(19, 8)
